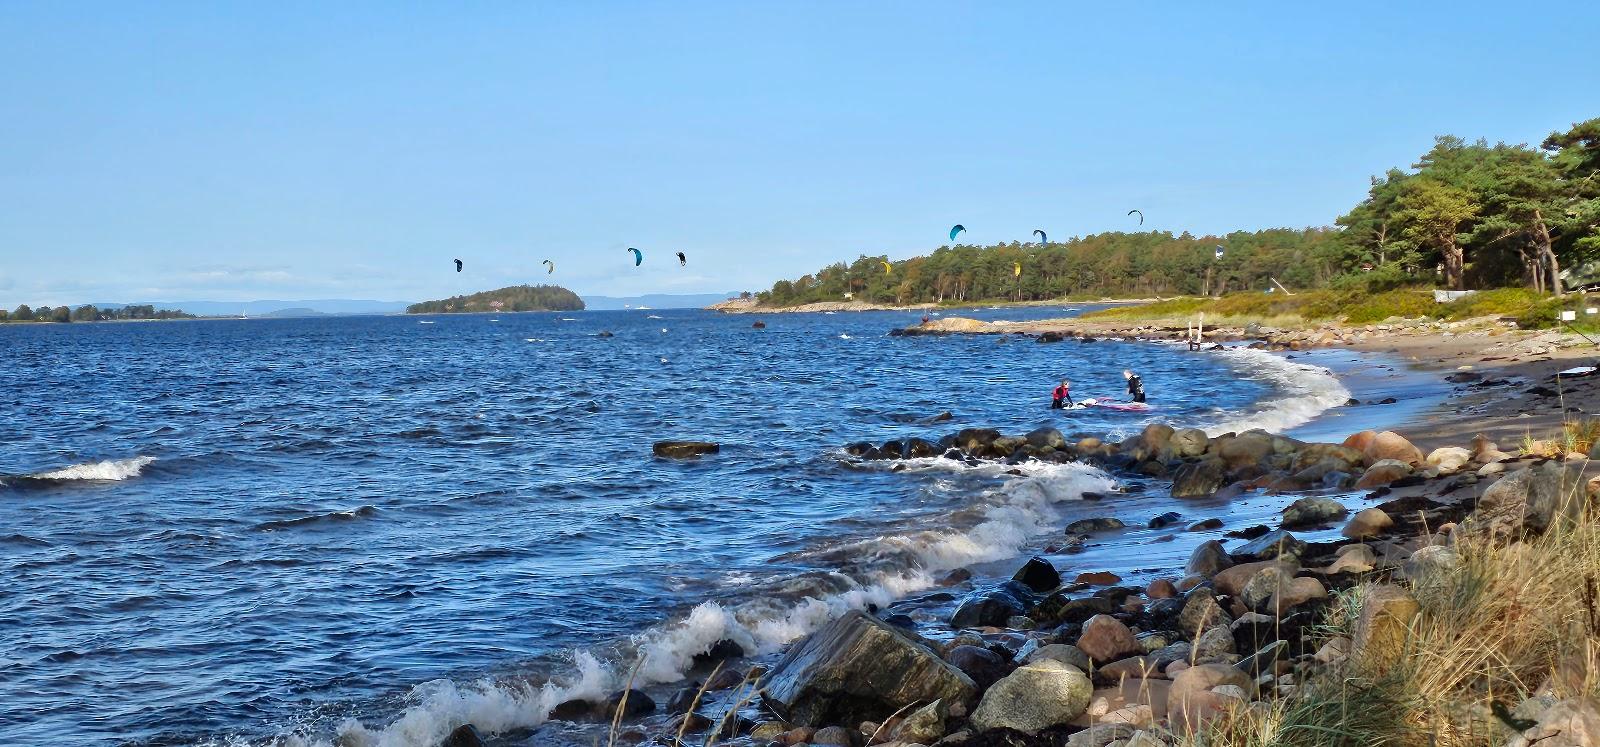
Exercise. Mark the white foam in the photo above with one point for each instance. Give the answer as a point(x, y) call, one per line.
point(110, 470)
point(889, 568)
point(1302, 392)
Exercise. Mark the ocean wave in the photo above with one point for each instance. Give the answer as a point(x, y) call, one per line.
point(872, 571)
point(364, 512)
point(1301, 393)
point(111, 470)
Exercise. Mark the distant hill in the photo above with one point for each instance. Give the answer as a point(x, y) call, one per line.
point(294, 313)
point(657, 301)
point(513, 298)
point(267, 307)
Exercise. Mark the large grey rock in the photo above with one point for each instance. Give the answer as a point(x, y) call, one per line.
point(1273, 544)
point(1199, 479)
point(1187, 443)
point(993, 605)
point(1208, 559)
point(1035, 697)
point(1062, 652)
point(923, 726)
point(855, 669)
point(1201, 611)
point(1311, 511)
point(1046, 437)
point(1038, 575)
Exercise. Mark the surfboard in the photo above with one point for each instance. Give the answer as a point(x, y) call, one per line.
point(1114, 405)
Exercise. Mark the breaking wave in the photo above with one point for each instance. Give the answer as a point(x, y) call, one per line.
point(862, 572)
point(111, 470)
point(1301, 393)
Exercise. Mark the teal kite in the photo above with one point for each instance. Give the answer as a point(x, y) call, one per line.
point(955, 229)
point(638, 256)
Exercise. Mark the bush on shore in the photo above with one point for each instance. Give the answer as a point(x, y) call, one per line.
point(1530, 309)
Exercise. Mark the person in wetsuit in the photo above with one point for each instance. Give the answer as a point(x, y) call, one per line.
point(1135, 385)
point(1061, 396)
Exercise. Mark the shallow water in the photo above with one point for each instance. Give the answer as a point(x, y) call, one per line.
point(245, 530)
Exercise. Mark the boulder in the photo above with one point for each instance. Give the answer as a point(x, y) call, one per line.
point(1064, 653)
point(1187, 443)
point(1248, 448)
point(1098, 578)
point(1430, 563)
point(1391, 445)
point(465, 735)
point(993, 605)
point(985, 667)
point(1038, 574)
point(1033, 698)
point(1160, 588)
point(1098, 524)
point(1106, 639)
point(858, 668)
point(1449, 458)
point(1293, 593)
point(1214, 644)
point(833, 736)
point(683, 449)
point(1384, 625)
point(1532, 499)
point(1353, 559)
point(1198, 479)
point(1311, 511)
point(922, 726)
point(1046, 438)
point(1330, 456)
point(1190, 702)
point(1165, 520)
point(1360, 442)
point(1060, 608)
point(1366, 523)
point(632, 703)
point(1208, 559)
point(1233, 581)
point(1382, 473)
point(1270, 545)
point(1265, 583)
point(1200, 612)
point(1153, 440)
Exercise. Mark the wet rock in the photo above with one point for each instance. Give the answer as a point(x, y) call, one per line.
point(1383, 472)
point(983, 666)
point(923, 726)
point(683, 449)
point(1035, 697)
point(572, 710)
point(632, 703)
point(1099, 524)
point(857, 668)
point(1038, 574)
point(1165, 520)
point(758, 325)
point(1047, 438)
point(1062, 652)
point(465, 735)
point(1245, 449)
point(722, 650)
point(1198, 479)
point(957, 576)
point(993, 605)
point(1205, 525)
point(1367, 523)
point(1311, 511)
point(1270, 545)
point(1060, 608)
point(1098, 578)
point(1327, 457)
point(725, 679)
point(1187, 443)
point(1160, 589)
point(1208, 559)
point(1106, 639)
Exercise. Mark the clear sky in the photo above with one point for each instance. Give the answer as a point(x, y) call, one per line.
point(234, 151)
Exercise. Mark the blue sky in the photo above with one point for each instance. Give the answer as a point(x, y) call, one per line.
point(232, 151)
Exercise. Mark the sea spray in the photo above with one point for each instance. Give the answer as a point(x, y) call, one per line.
point(875, 572)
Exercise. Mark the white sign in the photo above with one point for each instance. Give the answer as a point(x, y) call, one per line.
point(1568, 316)
point(1591, 310)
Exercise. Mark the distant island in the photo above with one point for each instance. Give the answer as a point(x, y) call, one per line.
point(513, 298)
point(89, 313)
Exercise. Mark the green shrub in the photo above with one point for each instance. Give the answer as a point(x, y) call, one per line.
point(1401, 303)
point(1497, 302)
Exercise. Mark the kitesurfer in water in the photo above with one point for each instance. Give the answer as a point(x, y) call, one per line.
point(1061, 396)
point(1135, 385)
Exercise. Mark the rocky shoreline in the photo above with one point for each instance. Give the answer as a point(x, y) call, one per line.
point(1040, 659)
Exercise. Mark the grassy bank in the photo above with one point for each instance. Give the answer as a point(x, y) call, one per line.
point(1529, 309)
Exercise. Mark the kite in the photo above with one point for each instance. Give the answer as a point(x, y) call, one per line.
point(1016, 269)
point(1043, 239)
point(682, 260)
point(458, 265)
point(638, 256)
point(955, 229)
point(1141, 215)
point(551, 265)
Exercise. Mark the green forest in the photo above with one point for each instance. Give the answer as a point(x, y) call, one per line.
point(88, 313)
point(513, 298)
point(1466, 215)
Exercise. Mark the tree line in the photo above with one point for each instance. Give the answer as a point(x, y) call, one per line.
point(88, 313)
point(1465, 215)
point(513, 298)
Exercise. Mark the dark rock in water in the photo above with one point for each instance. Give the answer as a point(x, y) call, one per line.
point(893, 449)
point(941, 417)
point(1199, 479)
point(901, 621)
point(689, 723)
point(573, 710)
point(1464, 377)
point(759, 325)
point(1167, 519)
point(1093, 496)
point(1097, 524)
point(993, 605)
point(1205, 524)
point(956, 576)
point(1059, 608)
point(1386, 401)
point(638, 703)
point(605, 334)
point(859, 448)
point(1352, 402)
point(985, 667)
point(722, 649)
point(954, 454)
point(1037, 574)
point(1268, 546)
point(465, 735)
point(1249, 533)
point(684, 449)
point(1311, 511)
point(1208, 559)
point(1049, 337)
point(859, 669)
point(683, 698)
point(1043, 437)
point(918, 448)
point(725, 679)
